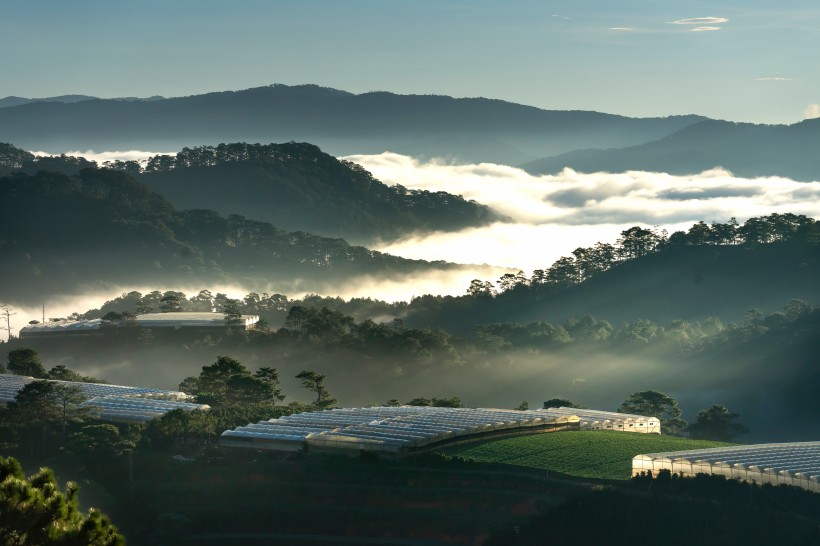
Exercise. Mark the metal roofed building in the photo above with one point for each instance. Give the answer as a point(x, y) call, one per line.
point(796, 464)
point(62, 327)
point(390, 431)
point(115, 403)
point(170, 321)
point(191, 320)
point(610, 420)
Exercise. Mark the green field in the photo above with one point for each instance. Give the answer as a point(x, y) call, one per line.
point(587, 454)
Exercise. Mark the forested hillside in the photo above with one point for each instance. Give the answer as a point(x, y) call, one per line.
point(298, 187)
point(722, 269)
point(294, 186)
point(67, 233)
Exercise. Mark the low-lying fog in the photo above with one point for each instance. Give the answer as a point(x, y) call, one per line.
point(555, 214)
point(551, 216)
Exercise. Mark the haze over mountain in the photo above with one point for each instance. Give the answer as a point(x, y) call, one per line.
point(341, 123)
point(298, 187)
point(747, 150)
point(67, 99)
point(68, 234)
point(679, 283)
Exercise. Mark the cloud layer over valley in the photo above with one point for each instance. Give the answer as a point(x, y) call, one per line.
point(551, 215)
point(554, 214)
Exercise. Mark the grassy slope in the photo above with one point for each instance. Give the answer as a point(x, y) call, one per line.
point(588, 454)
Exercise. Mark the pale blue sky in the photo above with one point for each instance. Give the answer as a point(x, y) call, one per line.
point(752, 60)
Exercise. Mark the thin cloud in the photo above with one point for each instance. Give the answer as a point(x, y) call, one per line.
point(812, 111)
point(622, 29)
point(551, 215)
point(125, 155)
point(700, 21)
point(773, 79)
point(704, 29)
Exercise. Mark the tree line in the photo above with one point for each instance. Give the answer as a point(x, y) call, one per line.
point(637, 242)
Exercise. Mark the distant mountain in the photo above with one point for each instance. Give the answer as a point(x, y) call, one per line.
point(67, 99)
point(469, 129)
point(295, 186)
point(747, 150)
point(102, 228)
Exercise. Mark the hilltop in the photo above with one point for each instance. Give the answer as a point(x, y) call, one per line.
point(101, 227)
point(295, 186)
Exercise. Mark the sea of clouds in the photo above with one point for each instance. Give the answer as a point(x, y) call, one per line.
point(549, 217)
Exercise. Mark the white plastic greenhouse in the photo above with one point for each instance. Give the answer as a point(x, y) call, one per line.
point(391, 431)
point(609, 420)
point(115, 403)
point(168, 321)
point(796, 464)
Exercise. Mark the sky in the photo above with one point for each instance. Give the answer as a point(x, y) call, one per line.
point(741, 60)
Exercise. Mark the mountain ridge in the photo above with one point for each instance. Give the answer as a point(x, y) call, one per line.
point(465, 129)
point(745, 149)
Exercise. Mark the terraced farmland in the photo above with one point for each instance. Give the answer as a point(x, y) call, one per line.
point(588, 454)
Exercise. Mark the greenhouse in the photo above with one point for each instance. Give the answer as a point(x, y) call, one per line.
point(796, 464)
point(91, 326)
point(164, 321)
point(115, 403)
point(390, 431)
point(608, 420)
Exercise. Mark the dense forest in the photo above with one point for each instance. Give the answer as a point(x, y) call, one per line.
point(101, 226)
point(294, 186)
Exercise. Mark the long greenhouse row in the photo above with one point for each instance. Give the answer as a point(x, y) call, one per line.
point(115, 403)
point(392, 431)
point(609, 420)
point(796, 464)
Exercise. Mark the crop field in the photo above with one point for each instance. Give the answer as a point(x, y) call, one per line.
point(587, 454)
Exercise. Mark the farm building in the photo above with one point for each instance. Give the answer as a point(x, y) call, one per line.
point(796, 464)
point(207, 322)
point(390, 431)
point(62, 327)
point(114, 403)
point(608, 420)
point(203, 321)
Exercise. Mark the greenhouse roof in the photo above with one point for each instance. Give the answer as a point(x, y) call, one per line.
point(62, 326)
point(802, 457)
point(391, 428)
point(597, 414)
point(112, 402)
point(189, 319)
